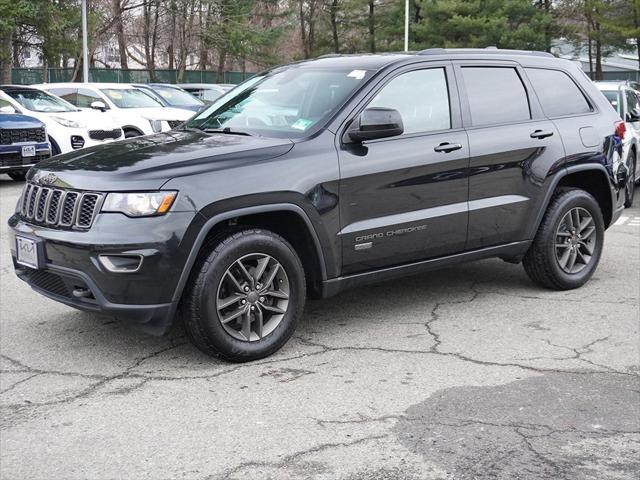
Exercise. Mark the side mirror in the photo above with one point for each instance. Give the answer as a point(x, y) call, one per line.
point(98, 105)
point(633, 115)
point(376, 122)
point(7, 109)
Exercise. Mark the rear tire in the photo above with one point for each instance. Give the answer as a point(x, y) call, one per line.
point(131, 133)
point(245, 295)
point(18, 176)
point(629, 190)
point(567, 247)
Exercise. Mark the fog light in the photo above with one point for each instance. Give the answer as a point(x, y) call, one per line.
point(121, 263)
point(77, 142)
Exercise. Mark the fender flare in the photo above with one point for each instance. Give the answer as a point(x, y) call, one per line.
point(216, 219)
point(556, 180)
point(54, 144)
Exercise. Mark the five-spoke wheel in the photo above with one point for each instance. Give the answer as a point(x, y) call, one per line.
point(567, 247)
point(253, 297)
point(245, 299)
point(575, 240)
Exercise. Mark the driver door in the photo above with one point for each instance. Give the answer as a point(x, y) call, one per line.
point(404, 198)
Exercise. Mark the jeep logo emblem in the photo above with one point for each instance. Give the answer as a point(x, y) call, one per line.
point(48, 179)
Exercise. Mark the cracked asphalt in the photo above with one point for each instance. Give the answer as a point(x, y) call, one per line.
point(470, 372)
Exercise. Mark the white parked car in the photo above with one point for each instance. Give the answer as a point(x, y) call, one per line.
point(207, 92)
point(626, 101)
point(68, 127)
point(128, 106)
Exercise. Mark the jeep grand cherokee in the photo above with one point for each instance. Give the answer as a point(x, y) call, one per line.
point(327, 174)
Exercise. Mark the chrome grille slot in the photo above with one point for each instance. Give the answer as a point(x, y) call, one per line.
point(69, 206)
point(32, 201)
point(54, 204)
point(25, 199)
point(42, 203)
point(61, 208)
point(87, 209)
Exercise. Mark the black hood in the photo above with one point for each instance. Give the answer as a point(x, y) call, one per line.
point(149, 162)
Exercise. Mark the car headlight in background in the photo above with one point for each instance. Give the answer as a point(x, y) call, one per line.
point(67, 123)
point(156, 125)
point(139, 204)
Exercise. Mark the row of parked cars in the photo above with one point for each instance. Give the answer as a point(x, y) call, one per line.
point(38, 121)
point(53, 118)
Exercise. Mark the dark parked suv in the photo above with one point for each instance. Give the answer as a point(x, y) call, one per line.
point(327, 174)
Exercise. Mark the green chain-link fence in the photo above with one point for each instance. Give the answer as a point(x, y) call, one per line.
point(27, 76)
point(621, 75)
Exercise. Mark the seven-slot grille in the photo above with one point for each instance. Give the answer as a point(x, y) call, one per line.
point(9, 136)
point(105, 134)
point(57, 207)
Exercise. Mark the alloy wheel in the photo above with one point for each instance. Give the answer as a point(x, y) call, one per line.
point(575, 240)
point(631, 181)
point(252, 297)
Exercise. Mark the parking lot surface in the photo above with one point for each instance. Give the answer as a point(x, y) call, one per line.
point(471, 372)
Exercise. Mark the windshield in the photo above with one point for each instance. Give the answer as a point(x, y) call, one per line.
point(612, 96)
point(287, 103)
point(177, 98)
point(39, 101)
point(130, 98)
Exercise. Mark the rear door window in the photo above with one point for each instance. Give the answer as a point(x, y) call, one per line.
point(68, 94)
point(558, 93)
point(632, 102)
point(496, 95)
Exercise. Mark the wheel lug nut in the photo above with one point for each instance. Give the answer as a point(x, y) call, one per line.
point(252, 308)
point(262, 299)
point(259, 285)
point(246, 289)
point(243, 302)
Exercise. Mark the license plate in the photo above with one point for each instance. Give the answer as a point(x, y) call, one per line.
point(29, 151)
point(27, 251)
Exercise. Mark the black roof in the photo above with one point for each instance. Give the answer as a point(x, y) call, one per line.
point(377, 61)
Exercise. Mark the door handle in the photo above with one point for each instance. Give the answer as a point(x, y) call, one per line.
point(540, 134)
point(447, 147)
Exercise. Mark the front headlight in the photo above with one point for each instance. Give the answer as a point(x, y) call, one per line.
point(156, 125)
point(139, 204)
point(67, 123)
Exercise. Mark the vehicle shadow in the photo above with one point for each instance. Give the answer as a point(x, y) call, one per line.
point(355, 310)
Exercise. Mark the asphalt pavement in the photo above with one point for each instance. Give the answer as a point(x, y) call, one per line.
point(470, 372)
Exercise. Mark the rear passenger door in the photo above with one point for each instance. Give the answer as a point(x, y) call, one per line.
point(512, 149)
point(404, 198)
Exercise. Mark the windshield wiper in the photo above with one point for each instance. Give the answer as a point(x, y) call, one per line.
point(226, 131)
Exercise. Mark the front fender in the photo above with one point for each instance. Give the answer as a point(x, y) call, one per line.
point(205, 225)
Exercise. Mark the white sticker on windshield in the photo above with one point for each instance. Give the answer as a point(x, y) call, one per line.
point(302, 124)
point(357, 74)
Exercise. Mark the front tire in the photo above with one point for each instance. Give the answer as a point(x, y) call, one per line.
point(18, 176)
point(130, 133)
point(245, 297)
point(568, 245)
point(629, 190)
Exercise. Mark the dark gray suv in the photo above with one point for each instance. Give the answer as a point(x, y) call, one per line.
point(327, 174)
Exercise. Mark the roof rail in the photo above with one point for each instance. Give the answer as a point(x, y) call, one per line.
point(330, 55)
point(488, 51)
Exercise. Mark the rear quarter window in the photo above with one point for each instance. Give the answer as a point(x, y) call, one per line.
point(558, 93)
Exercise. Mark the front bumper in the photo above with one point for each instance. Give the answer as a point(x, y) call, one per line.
point(72, 273)
point(11, 159)
point(66, 144)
